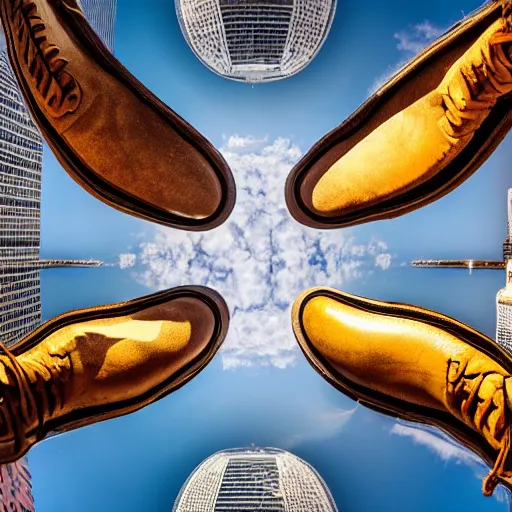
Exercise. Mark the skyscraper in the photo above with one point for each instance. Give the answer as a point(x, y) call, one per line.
point(101, 14)
point(504, 296)
point(21, 151)
point(255, 40)
point(254, 479)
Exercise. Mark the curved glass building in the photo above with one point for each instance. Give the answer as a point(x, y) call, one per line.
point(252, 480)
point(255, 40)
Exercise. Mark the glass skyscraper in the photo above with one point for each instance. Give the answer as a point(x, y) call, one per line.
point(504, 296)
point(101, 14)
point(255, 40)
point(21, 151)
point(254, 479)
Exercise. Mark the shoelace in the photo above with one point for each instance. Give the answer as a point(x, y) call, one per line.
point(485, 75)
point(463, 394)
point(18, 404)
point(492, 480)
point(36, 393)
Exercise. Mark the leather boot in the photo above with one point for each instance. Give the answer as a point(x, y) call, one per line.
point(100, 363)
point(111, 134)
point(413, 364)
point(420, 136)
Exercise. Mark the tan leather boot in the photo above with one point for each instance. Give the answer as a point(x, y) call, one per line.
point(111, 134)
point(414, 364)
point(420, 136)
point(100, 363)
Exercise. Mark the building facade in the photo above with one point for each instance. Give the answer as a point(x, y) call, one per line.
point(255, 40)
point(254, 479)
point(21, 152)
point(101, 14)
point(20, 199)
point(504, 296)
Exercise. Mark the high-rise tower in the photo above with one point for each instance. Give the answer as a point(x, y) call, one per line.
point(507, 244)
point(504, 296)
point(254, 479)
point(255, 40)
point(101, 14)
point(21, 151)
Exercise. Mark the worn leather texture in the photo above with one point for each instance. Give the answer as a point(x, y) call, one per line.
point(414, 364)
point(111, 134)
point(417, 138)
point(99, 363)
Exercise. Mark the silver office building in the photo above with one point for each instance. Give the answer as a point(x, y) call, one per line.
point(101, 14)
point(21, 151)
point(254, 479)
point(504, 296)
point(255, 40)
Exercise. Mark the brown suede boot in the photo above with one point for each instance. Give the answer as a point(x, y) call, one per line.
point(100, 363)
point(112, 135)
point(420, 136)
point(414, 364)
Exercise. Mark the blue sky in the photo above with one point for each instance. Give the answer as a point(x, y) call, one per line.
point(259, 389)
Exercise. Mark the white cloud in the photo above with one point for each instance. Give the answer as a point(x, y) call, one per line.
point(237, 143)
point(383, 261)
point(449, 451)
point(260, 259)
point(411, 41)
point(445, 448)
point(416, 38)
point(127, 260)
